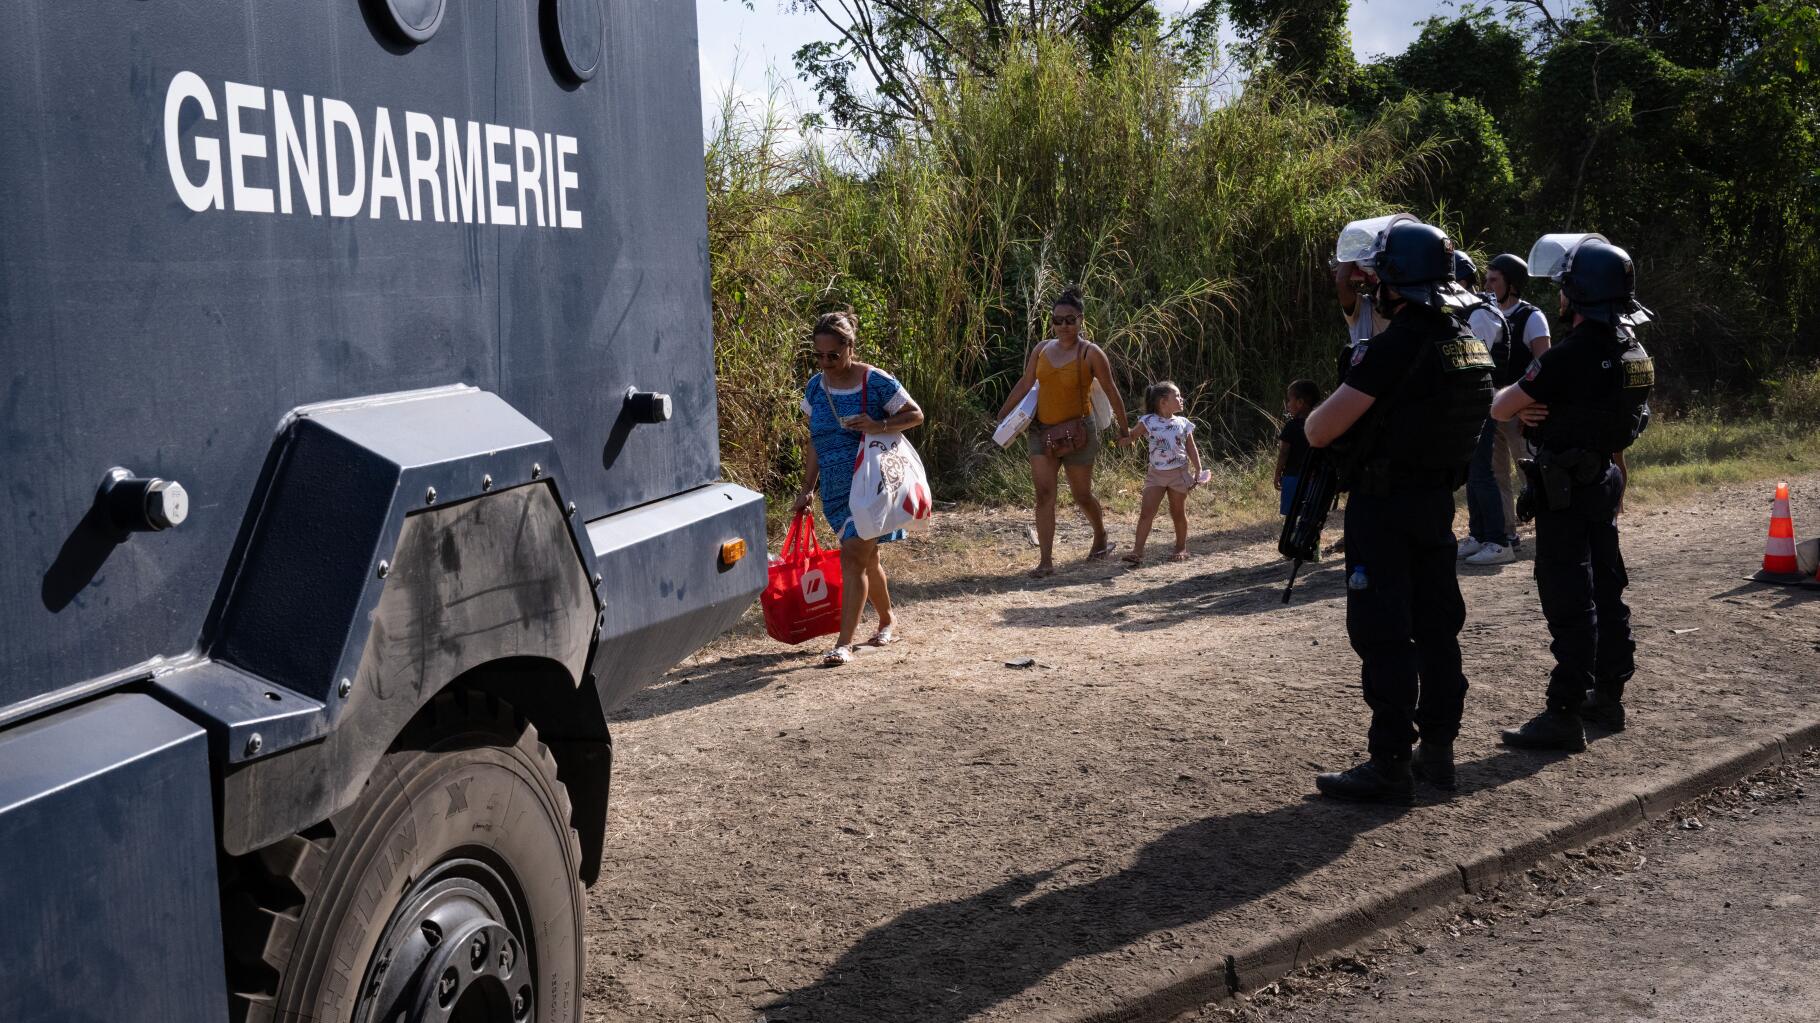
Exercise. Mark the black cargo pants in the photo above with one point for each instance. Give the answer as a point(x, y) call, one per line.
point(1580, 577)
point(1405, 623)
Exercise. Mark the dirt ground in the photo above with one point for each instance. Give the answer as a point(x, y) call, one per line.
point(1706, 915)
point(929, 834)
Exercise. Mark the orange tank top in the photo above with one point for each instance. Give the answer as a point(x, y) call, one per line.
point(1062, 390)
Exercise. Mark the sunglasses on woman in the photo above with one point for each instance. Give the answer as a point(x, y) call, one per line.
point(1064, 321)
point(822, 356)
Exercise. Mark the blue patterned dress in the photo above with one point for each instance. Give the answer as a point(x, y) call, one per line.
point(836, 446)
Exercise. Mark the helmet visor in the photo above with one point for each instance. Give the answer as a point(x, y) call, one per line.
point(1359, 239)
point(1549, 256)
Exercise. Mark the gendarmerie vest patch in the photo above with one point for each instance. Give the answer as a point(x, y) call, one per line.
point(1639, 373)
point(1464, 353)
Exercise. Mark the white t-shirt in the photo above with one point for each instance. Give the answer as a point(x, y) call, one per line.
point(1536, 327)
point(1486, 326)
point(1168, 442)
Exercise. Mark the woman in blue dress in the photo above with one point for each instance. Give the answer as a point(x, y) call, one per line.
point(843, 402)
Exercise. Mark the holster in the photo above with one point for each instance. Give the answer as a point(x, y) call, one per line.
point(1554, 474)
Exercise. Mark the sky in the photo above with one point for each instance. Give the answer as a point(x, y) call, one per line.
point(740, 47)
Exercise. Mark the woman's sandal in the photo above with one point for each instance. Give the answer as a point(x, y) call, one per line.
point(838, 656)
point(883, 637)
point(1042, 572)
point(1102, 553)
point(1133, 559)
point(1179, 556)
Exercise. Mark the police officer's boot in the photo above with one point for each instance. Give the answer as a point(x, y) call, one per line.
point(1603, 709)
point(1434, 764)
point(1374, 781)
point(1551, 729)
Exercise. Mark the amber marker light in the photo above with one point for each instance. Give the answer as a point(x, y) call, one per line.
point(732, 551)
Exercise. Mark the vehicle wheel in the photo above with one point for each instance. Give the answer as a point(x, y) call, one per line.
point(447, 892)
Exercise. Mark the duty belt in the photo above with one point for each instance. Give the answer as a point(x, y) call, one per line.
point(1383, 478)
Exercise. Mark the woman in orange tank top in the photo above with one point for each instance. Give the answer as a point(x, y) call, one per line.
point(1066, 366)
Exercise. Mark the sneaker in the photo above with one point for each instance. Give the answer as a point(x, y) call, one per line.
point(1374, 781)
point(1469, 547)
point(1493, 554)
point(1514, 541)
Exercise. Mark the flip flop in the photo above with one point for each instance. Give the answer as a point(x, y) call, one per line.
point(1133, 559)
point(1179, 556)
point(1042, 573)
point(1102, 553)
point(838, 656)
point(883, 637)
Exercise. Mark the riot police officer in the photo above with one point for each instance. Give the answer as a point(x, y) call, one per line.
point(1584, 400)
point(1404, 424)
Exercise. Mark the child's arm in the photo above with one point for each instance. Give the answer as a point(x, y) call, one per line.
point(1194, 454)
point(1282, 462)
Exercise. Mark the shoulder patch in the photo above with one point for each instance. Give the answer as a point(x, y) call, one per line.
point(1639, 373)
point(1535, 367)
point(1358, 352)
point(1460, 354)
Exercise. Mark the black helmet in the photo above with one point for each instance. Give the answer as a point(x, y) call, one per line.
point(1464, 270)
point(1601, 283)
point(1512, 267)
point(1416, 259)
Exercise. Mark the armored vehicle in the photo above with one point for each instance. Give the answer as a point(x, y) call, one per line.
point(360, 446)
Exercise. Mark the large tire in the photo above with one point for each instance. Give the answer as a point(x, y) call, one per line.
point(459, 843)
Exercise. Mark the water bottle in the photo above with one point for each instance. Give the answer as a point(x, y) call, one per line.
point(1357, 580)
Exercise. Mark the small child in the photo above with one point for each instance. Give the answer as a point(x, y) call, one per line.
point(1175, 466)
point(1292, 443)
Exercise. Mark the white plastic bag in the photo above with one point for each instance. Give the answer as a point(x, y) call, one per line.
point(1017, 420)
point(890, 489)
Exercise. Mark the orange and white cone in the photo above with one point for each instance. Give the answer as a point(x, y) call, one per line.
point(1779, 565)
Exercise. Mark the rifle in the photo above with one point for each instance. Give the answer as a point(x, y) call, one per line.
point(1316, 491)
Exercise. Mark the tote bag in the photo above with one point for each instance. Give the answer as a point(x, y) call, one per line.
point(802, 597)
point(890, 489)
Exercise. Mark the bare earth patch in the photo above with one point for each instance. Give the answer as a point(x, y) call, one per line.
point(928, 834)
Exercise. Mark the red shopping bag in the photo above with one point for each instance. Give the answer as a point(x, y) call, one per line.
point(802, 599)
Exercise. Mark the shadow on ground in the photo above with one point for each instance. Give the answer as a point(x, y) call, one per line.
point(949, 961)
point(1073, 570)
point(698, 686)
point(1241, 590)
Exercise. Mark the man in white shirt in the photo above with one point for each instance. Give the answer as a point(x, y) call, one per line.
point(1353, 284)
point(1489, 527)
point(1504, 277)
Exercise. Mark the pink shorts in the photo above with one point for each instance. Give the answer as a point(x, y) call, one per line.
point(1179, 480)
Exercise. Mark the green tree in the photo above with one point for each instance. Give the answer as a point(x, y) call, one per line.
point(878, 74)
point(1304, 39)
point(1473, 56)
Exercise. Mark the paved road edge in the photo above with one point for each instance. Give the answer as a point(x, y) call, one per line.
point(1171, 993)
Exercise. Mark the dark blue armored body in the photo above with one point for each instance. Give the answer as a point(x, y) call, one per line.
point(360, 439)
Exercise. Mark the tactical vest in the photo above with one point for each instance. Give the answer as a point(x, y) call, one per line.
point(1612, 421)
point(1490, 304)
point(1435, 432)
point(1513, 356)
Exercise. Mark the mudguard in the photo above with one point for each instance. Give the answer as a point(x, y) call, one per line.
point(405, 542)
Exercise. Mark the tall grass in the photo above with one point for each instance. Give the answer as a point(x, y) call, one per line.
point(1196, 221)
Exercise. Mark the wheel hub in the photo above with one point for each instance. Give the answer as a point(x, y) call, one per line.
point(451, 953)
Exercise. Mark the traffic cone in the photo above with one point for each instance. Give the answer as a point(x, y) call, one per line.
point(1779, 564)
